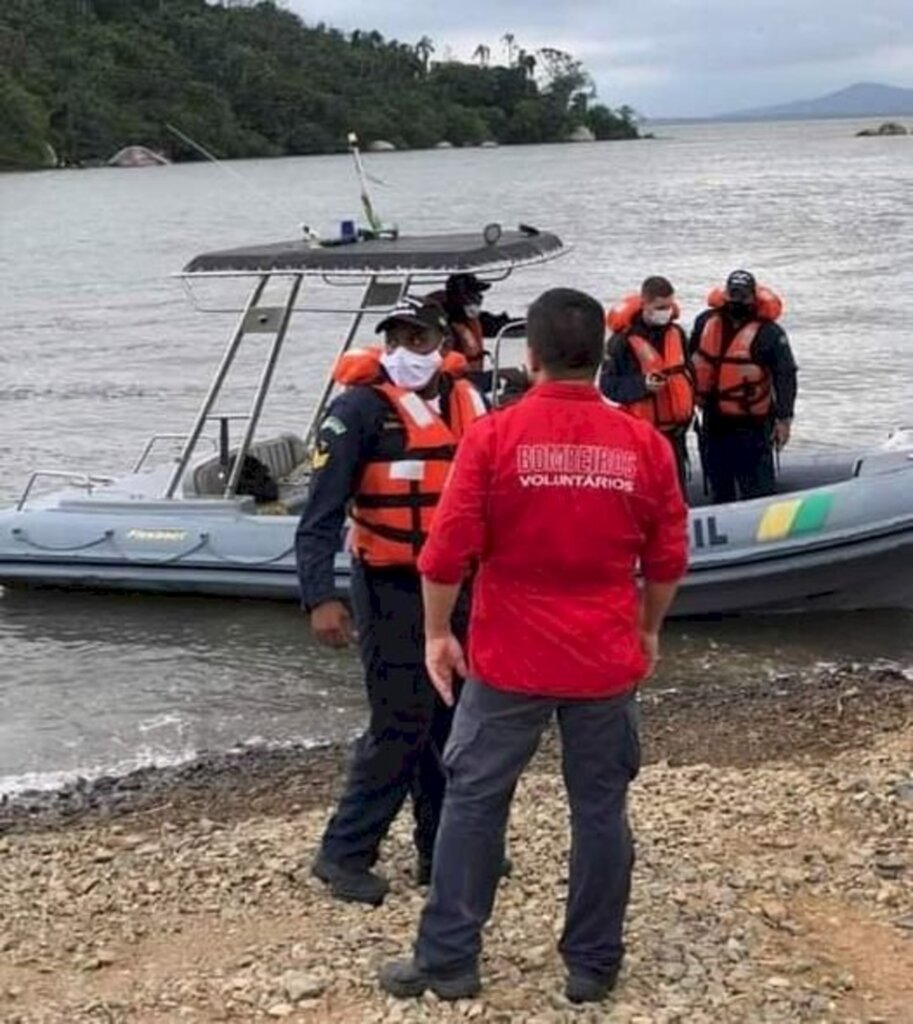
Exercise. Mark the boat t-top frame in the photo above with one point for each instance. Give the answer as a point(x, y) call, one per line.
point(387, 268)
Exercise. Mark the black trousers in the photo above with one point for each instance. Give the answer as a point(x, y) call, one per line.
point(739, 461)
point(677, 438)
point(495, 734)
point(400, 752)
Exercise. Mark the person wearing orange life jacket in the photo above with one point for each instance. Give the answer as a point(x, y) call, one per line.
point(462, 300)
point(646, 368)
point(745, 378)
point(382, 458)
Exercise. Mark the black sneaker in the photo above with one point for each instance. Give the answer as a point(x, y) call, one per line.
point(404, 979)
point(350, 884)
point(590, 988)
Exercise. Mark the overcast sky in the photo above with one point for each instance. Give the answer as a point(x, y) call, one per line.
point(667, 57)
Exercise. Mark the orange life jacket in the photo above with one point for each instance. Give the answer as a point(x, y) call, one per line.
point(671, 407)
point(727, 375)
point(394, 501)
point(470, 342)
point(468, 337)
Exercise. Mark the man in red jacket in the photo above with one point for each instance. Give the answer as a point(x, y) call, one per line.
point(560, 499)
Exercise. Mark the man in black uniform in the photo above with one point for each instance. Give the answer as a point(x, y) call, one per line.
point(746, 385)
point(383, 454)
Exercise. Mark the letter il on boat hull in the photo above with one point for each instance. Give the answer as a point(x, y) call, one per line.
point(776, 521)
point(706, 533)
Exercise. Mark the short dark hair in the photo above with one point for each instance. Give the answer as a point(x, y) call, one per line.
point(656, 287)
point(565, 330)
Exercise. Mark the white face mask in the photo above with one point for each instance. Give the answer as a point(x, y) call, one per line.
point(657, 317)
point(411, 370)
point(473, 310)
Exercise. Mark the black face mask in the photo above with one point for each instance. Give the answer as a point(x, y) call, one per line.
point(740, 311)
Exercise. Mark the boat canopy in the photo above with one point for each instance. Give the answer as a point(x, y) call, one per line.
point(415, 255)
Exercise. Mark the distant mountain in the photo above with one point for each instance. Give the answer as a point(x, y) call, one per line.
point(865, 99)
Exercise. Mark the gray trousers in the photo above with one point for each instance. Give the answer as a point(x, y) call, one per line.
point(493, 738)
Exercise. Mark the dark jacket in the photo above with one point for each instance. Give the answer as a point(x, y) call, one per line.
point(770, 349)
point(360, 426)
point(491, 323)
point(621, 378)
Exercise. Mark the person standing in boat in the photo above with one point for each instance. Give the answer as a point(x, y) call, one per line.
point(470, 324)
point(745, 377)
point(383, 454)
point(647, 369)
point(557, 498)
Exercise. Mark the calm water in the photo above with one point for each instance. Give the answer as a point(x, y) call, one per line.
point(100, 350)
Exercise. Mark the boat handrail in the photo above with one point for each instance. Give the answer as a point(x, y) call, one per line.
point(502, 335)
point(87, 480)
point(153, 441)
point(399, 285)
point(380, 310)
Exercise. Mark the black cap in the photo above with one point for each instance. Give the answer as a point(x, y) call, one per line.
point(466, 284)
point(740, 286)
point(417, 312)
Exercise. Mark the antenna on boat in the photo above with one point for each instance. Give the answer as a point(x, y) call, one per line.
point(263, 196)
point(374, 222)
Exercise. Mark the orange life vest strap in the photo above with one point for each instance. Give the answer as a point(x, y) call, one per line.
point(397, 495)
point(739, 385)
point(673, 405)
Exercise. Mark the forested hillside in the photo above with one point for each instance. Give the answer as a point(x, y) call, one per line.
point(81, 78)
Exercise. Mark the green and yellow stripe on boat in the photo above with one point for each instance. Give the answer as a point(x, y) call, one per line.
point(795, 517)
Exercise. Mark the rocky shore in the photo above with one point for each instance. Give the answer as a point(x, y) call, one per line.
point(774, 879)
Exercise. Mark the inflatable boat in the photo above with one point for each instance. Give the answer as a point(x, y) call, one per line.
point(838, 534)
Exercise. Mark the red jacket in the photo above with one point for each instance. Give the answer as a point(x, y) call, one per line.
point(560, 498)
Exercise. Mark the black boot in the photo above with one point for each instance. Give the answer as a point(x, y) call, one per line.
point(351, 884)
point(404, 979)
point(590, 988)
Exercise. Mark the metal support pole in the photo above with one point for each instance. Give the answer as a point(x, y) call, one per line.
point(224, 443)
point(343, 348)
point(227, 359)
point(266, 377)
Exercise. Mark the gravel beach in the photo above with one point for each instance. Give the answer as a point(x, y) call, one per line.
point(774, 879)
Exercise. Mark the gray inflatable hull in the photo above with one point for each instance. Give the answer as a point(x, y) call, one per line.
point(840, 537)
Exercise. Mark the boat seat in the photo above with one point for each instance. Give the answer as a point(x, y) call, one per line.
point(285, 456)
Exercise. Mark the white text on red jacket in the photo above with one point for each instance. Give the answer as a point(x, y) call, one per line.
point(577, 465)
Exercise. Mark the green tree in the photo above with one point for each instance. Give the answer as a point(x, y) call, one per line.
point(424, 48)
point(248, 78)
point(23, 126)
point(606, 124)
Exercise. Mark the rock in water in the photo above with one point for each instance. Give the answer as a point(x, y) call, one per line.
point(888, 128)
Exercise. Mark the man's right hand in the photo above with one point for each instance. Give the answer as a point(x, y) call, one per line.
point(331, 623)
point(649, 643)
point(444, 658)
point(782, 430)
